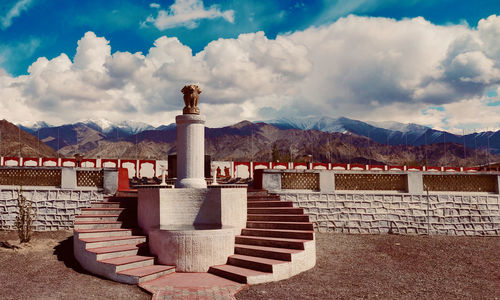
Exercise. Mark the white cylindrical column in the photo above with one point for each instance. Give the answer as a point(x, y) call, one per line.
point(190, 151)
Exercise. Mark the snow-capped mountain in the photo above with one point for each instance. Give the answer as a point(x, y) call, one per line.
point(101, 125)
point(396, 126)
point(107, 127)
point(343, 124)
point(323, 124)
point(392, 133)
point(34, 126)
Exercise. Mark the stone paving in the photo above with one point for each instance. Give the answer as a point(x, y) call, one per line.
point(202, 286)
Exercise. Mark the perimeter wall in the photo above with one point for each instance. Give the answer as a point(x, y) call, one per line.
point(400, 203)
point(55, 207)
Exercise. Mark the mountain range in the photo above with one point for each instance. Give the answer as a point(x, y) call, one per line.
point(326, 139)
point(393, 133)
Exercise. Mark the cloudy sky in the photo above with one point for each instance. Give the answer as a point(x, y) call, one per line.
point(434, 62)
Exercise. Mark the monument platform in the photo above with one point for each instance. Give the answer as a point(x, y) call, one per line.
point(192, 248)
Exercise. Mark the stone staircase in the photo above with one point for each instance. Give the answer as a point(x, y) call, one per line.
point(108, 243)
point(277, 243)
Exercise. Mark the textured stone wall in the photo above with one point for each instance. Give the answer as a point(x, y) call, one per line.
point(446, 214)
point(55, 208)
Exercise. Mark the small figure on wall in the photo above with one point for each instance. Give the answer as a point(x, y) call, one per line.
point(191, 97)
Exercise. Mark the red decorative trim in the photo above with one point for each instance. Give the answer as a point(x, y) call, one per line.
point(46, 159)
point(396, 168)
point(17, 159)
point(63, 160)
point(320, 164)
point(26, 159)
point(261, 163)
point(361, 166)
point(105, 160)
point(275, 164)
point(343, 166)
point(296, 164)
point(433, 168)
point(92, 160)
point(414, 168)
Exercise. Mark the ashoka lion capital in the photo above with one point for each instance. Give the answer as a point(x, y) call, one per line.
point(191, 97)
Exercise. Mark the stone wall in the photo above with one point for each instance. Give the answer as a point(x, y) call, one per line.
point(55, 208)
point(415, 182)
point(401, 213)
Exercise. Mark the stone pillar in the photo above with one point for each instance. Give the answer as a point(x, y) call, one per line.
point(326, 181)
point(110, 181)
point(68, 178)
point(190, 151)
point(415, 182)
point(271, 180)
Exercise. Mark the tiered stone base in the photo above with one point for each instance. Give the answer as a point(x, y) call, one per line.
point(103, 247)
point(277, 243)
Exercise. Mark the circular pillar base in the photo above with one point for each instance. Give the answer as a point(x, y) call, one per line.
point(190, 249)
point(196, 183)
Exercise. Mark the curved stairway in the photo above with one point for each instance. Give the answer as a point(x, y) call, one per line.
point(277, 243)
point(106, 242)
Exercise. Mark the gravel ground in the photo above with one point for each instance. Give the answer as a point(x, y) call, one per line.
point(348, 267)
point(393, 267)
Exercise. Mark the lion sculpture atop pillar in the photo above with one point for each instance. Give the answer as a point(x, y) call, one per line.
point(191, 97)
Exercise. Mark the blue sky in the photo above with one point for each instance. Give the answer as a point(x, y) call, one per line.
point(55, 26)
point(195, 32)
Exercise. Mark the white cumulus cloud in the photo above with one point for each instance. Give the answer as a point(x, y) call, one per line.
point(365, 68)
point(186, 13)
point(14, 12)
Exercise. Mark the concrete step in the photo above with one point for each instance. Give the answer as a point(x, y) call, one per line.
point(103, 232)
point(279, 233)
point(267, 252)
point(281, 225)
point(109, 204)
point(128, 262)
point(148, 273)
point(263, 198)
point(113, 241)
point(97, 217)
point(270, 242)
point(275, 210)
point(251, 204)
point(97, 224)
point(102, 211)
point(252, 262)
point(278, 217)
point(116, 251)
point(123, 195)
point(252, 192)
point(238, 274)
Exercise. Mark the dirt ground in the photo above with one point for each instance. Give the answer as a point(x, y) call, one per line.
point(348, 267)
point(46, 269)
point(393, 267)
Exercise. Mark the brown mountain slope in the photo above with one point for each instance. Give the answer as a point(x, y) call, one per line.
point(128, 150)
point(248, 141)
point(16, 142)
